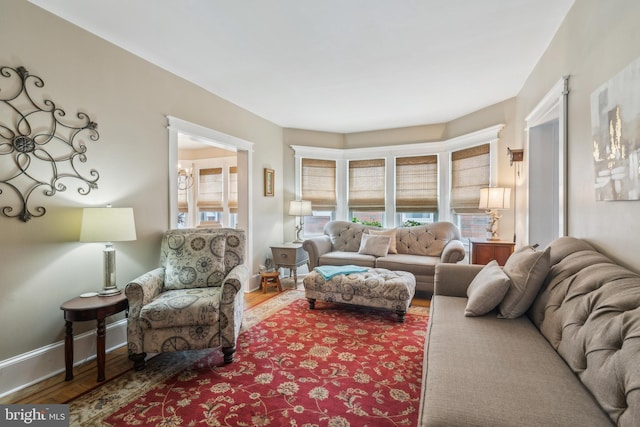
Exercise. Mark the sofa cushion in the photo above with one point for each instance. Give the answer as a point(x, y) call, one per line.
point(527, 269)
point(483, 371)
point(346, 258)
point(344, 235)
point(374, 245)
point(589, 310)
point(419, 241)
point(419, 265)
point(194, 260)
point(182, 307)
point(486, 290)
point(391, 233)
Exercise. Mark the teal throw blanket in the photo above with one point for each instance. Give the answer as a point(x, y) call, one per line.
point(329, 271)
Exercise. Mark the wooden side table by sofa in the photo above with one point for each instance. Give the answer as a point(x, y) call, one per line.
point(484, 251)
point(90, 308)
point(291, 256)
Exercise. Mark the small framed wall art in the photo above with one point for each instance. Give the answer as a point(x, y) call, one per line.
point(269, 178)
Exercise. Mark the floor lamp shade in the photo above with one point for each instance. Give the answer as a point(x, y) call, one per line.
point(492, 199)
point(108, 225)
point(300, 208)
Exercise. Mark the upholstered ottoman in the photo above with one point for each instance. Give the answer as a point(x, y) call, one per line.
point(376, 287)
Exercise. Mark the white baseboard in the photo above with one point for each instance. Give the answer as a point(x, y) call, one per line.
point(29, 368)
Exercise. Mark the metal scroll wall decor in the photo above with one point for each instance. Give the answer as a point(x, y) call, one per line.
point(39, 147)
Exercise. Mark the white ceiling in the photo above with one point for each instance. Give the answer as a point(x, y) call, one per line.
point(335, 65)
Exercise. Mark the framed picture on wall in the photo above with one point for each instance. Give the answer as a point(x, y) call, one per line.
point(269, 176)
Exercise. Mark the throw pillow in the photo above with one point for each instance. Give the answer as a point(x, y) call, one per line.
point(194, 261)
point(391, 233)
point(374, 245)
point(527, 269)
point(486, 290)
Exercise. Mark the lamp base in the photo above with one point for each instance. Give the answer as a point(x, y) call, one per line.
point(299, 238)
point(494, 217)
point(109, 292)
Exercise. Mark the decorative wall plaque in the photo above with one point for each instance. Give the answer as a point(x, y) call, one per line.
point(40, 149)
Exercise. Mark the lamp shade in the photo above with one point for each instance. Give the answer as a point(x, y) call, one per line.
point(495, 198)
point(107, 225)
point(300, 208)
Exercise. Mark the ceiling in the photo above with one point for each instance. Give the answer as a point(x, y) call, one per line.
point(335, 65)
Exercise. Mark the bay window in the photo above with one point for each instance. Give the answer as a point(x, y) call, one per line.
point(399, 185)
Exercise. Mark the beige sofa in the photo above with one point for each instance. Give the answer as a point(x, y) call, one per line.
point(418, 249)
point(573, 358)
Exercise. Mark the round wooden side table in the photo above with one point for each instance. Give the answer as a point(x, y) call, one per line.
point(270, 278)
point(91, 308)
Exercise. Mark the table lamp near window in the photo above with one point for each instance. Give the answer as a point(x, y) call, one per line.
point(299, 208)
point(491, 200)
point(108, 225)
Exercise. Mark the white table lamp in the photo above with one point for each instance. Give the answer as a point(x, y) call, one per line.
point(299, 208)
point(108, 225)
point(492, 199)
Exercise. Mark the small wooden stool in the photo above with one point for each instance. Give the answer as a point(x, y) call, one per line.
point(270, 278)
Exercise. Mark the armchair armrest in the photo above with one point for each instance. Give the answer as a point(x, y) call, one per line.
point(142, 290)
point(453, 252)
point(316, 247)
point(236, 278)
point(232, 305)
point(454, 279)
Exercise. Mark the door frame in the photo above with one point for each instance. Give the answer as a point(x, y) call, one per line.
point(244, 150)
point(552, 106)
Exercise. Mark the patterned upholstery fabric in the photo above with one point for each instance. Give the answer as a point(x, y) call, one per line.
point(194, 300)
point(194, 260)
point(418, 249)
point(378, 288)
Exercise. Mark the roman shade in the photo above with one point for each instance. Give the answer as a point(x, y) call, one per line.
point(470, 171)
point(210, 189)
point(367, 184)
point(319, 183)
point(183, 205)
point(233, 189)
point(417, 184)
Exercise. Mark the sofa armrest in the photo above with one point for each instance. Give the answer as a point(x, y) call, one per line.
point(454, 279)
point(316, 247)
point(142, 290)
point(453, 252)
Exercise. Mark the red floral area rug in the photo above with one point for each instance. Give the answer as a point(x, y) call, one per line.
point(336, 365)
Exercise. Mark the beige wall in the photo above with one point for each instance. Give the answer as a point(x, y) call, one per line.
point(596, 41)
point(41, 261)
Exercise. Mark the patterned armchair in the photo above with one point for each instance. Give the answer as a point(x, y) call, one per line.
point(195, 298)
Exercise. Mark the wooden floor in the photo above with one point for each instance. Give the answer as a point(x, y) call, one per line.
point(57, 390)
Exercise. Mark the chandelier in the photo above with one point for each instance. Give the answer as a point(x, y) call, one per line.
point(185, 178)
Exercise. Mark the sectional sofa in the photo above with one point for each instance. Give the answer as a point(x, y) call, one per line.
point(560, 348)
point(414, 249)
